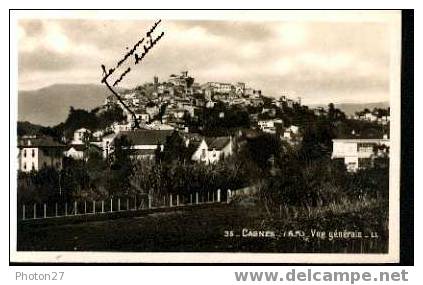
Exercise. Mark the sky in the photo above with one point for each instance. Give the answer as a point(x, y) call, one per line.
point(320, 62)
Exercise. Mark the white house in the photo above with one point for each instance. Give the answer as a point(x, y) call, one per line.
point(80, 135)
point(292, 135)
point(370, 117)
point(76, 152)
point(211, 150)
point(79, 151)
point(220, 87)
point(38, 152)
point(291, 132)
point(269, 126)
point(356, 153)
point(121, 127)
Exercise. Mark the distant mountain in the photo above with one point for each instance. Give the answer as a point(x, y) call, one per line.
point(350, 108)
point(50, 105)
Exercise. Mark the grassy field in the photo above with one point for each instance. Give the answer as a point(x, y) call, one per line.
point(216, 228)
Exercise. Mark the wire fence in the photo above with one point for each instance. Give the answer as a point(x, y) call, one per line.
point(97, 207)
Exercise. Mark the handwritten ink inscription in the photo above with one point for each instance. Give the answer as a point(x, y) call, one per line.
point(150, 41)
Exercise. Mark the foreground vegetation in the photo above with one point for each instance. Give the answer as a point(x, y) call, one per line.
point(203, 230)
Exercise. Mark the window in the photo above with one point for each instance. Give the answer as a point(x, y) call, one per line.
point(24, 166)
point(24, 153)
point(365, 147)
point(33, 166)
point(33, 153)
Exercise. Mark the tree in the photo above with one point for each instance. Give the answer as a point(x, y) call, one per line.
point(262, 148)
point(121, 167)
point(110, 116)
point(174, 149)
point(78, 118)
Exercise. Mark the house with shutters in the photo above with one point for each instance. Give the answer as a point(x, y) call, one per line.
point(37, 152)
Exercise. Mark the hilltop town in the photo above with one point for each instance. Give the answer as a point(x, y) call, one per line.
point(212, 116)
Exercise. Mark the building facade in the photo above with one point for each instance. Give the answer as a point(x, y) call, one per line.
point(36, 153)
point(358, 153)
point(213, 149)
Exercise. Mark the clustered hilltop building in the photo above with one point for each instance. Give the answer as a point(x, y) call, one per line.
point(161, 108)
point(183, 96)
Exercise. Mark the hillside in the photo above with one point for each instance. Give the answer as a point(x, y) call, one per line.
point(350, 108)
point(50, 105)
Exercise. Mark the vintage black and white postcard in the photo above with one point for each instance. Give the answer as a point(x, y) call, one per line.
point(205, 136)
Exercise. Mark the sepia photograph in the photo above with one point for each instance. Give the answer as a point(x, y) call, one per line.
point(205, 136)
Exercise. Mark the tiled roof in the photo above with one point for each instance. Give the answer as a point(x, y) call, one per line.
point(141, 152)
point(368, 135)
point(217, 143)
point(146, 137)
point(78, 147)
point(362, 140)
point(83, 147)
point(44, 141)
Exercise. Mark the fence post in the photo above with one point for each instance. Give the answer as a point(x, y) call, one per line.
point(208, 196)
point(75, 205)
point(213, 196)
point(23, 212)
point(149, 201)
point(118, 204)
point(196, 198)
point(177, 199)
point(190, 198)
point(57, 210)
point(94, 207)
point(127, 204)
point(102, 206)
point(135, 206)
point(111, 205)
point(66, 208)
point(229, 195)
point(35, 211)
point(85, 206)
point(164, 201)
point(218, 195)
point(170, 200)
point(45, 210)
